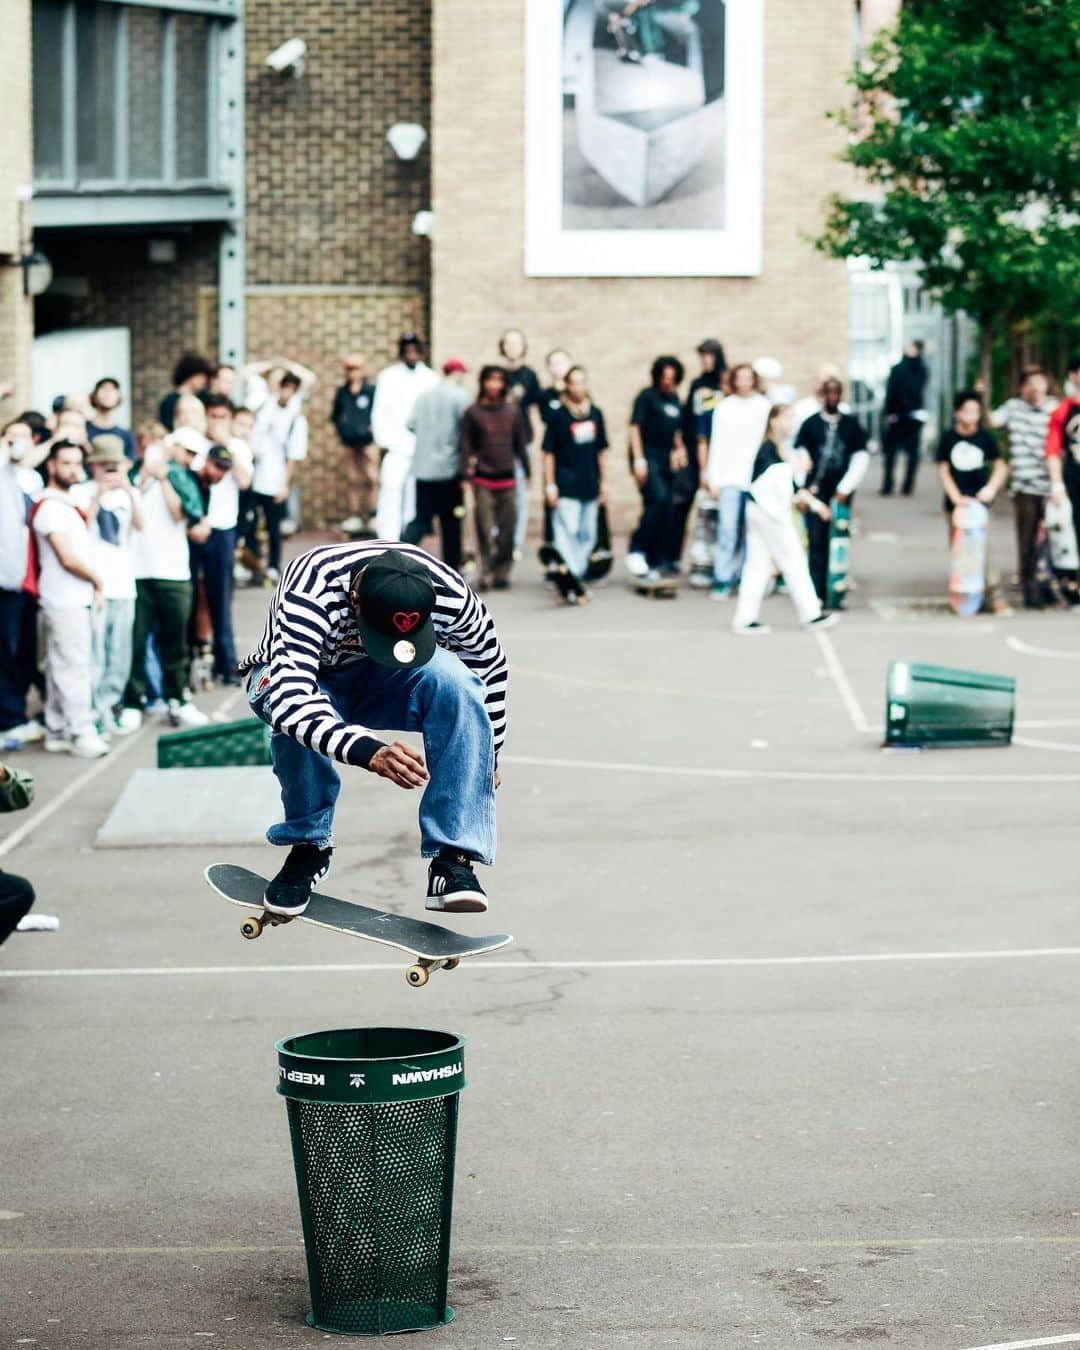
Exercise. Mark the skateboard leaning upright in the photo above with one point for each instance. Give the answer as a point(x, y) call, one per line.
point(836, 584)
point(433, 946)
point(1061, 536)
point(967, 571)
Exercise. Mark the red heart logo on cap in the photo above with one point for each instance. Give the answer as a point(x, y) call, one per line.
point(405, 623)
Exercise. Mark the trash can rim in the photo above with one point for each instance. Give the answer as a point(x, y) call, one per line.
point(452, 1039)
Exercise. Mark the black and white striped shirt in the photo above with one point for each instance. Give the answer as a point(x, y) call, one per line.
point(311, 626)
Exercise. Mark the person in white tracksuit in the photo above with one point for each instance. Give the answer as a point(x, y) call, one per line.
point(772, 541)
point(396, 391)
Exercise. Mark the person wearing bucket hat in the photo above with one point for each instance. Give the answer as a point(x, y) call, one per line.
point(370, 635)
point(114, 511)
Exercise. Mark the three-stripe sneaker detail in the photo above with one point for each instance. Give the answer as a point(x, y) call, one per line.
point(453, 887)
point(301, 872)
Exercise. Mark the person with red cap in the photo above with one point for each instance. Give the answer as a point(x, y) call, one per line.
point(364, 636)
point(435, 422)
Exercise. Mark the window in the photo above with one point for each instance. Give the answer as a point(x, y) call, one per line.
point(95, 46)
point(48, 28)
point(123, 94)
point(145, 62)
point(192, 37)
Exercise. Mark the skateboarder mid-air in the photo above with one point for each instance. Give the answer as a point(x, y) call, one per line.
point(364, 636)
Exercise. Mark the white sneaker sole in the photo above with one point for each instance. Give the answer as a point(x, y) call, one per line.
point(462, 902)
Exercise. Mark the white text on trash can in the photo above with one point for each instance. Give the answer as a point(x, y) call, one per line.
point(297, 1076)
point(427, 1075)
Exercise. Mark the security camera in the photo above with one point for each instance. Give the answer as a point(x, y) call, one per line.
point(288, 57)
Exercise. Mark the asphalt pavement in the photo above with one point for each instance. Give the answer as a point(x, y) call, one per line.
point(780, 1055)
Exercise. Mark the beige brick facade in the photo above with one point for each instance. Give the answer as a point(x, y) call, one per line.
point(796, 310)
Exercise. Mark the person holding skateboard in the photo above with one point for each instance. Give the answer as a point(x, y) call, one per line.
point(772, 542)
point(970, 467)
point(363, 636)
point(1063, 460)
point(839, 459)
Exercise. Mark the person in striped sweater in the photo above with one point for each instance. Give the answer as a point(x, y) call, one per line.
point(368, 635)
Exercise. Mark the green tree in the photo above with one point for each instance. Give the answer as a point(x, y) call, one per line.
point(964, 135)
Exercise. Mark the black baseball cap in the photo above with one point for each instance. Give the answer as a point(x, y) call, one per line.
point(394, 599)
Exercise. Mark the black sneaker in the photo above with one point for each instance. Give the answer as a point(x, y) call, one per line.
point(453, 887)
point(303, 869)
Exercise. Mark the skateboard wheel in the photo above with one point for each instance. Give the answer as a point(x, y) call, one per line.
point(251, 928)
point(417, 976)
point(452, 964)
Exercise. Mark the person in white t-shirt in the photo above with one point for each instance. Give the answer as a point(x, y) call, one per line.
point(279, 442)
point(114, 512)
point(727, 460)
point(396, 391)
point(173, 512)
point(69, 586)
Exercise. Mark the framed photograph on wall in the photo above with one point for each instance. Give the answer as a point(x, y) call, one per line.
point(643, 140)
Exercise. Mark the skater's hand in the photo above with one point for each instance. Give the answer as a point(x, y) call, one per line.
point(551, 492)
point(99, 596)
point(985, 495)
point(679, 458)
point(822, 510)
point(282, 496)
point(714, 493)
point(498, 780)
point(641, 471)
point(401, 764)
point(843, 498)
point(1059, 496)
point(199, 533)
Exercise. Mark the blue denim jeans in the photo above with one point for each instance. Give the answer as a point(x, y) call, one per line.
point(444, 701)
point(730, 536)
point(574, 525)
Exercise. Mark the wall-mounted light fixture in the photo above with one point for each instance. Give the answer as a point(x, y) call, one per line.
point(406, 139)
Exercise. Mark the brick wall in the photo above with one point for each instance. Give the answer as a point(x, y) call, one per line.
point(328, 202)
point(796, 310)
point(115, 284)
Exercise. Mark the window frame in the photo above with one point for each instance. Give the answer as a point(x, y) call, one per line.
point(225, 12)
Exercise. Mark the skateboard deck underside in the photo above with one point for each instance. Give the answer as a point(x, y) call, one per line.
point(839, 546)
point(428, 940)
point(967, 574)
point(1061, 537)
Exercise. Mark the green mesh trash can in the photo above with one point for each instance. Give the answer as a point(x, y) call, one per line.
point(938, 706)
point(373, 1118)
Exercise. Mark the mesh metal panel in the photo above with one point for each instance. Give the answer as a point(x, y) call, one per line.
point(245, 742)
point(376, 1185)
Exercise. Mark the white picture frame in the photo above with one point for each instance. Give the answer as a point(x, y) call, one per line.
point(605, 240)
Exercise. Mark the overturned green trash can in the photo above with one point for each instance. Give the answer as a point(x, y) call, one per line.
point(373, 1118)
point(937, 706)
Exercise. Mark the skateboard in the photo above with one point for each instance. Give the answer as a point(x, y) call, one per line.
point(601, 558)
point(433, 946)
point(1061, 536)
point(571, 591)
point(703, 544)
point(967, 572)
point(667, 588)
point(624, 31)
point(836, 584)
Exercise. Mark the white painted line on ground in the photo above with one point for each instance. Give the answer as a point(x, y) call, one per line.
point(784, 775)
point(65, 795)
point(1030, 743)
point(665, 691)
point(1071, 1339)
point(1026, 649)
point(647, 963)
point(230, 703)
point(843, 684)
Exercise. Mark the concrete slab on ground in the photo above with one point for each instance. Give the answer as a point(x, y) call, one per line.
point(222, 807)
